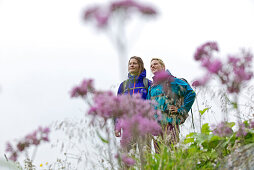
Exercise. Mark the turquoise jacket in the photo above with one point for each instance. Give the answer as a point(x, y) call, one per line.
point(172, 92)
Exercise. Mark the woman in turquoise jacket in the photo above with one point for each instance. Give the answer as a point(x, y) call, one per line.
point(173, 96)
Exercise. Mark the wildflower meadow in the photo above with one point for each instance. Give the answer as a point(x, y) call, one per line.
point(224, 88)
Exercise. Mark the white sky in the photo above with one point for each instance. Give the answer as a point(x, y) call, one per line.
point(46, 49)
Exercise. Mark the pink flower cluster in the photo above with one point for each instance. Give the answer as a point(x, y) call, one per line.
point(35, 138)
point(252, 124)
point(102, 14)
point(222, 129)
point(162, 76)
point(233, 73)
point(82, 89)
point(135, 127)
point(135, 115)
point(241, 130)
point(126, 160)
point(206, 50)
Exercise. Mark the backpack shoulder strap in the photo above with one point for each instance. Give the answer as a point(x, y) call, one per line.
point(124, 85)
point(184, 80)
point(145, 82)
point(191, 108)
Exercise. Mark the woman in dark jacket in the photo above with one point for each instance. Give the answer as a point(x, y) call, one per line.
point(136, 82)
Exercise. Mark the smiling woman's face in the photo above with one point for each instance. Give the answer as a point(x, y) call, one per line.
point(133, 66)
point(156, 66)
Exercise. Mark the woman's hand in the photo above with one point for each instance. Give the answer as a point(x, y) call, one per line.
point(117, 133)
point(173, 109)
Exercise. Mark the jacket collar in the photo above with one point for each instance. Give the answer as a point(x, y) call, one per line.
point(141, 76)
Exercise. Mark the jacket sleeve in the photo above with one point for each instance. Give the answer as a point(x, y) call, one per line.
point(119, 92)
point(189, 97)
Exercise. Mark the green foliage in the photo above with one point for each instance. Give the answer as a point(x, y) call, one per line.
point(101, 138)
point(204, 110)
point(203, 150)
point(205, 129)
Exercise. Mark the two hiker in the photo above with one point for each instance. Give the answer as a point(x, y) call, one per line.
point(173, 96)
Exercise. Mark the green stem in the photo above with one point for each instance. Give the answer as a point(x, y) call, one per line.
point(141, 153)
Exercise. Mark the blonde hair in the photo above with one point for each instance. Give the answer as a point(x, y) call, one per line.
point(160, 61)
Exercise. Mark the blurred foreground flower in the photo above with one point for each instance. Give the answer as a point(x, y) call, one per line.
point(135, 116)
point(82, 90)
point(233, 73)
point(126, 159)
point(35, 138)
point(101, 15)
point(162, 76)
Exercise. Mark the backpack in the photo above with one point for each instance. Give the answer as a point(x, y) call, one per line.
point(126, 83)
point(185, 117)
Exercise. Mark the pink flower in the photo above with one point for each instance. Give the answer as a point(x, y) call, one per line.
point(35, 138)
point(134, 115)
point(203, 81)
point(46, 130)
point(241, 131)
point(98, 14)
point(128, 4)
point(102, 19)
point(82, 90)
point(147, 10)
point(21, 146)
point(252, 124)
point(9, 147)
point(90, 12)
point(101, 15)
point(232, 74)
point(222, 129)
point(196, 83)
point(205, 62)
point(215, 66)
point(205, 50)
point(128, 161)
point(124, 4)
point(162, 76)
point(233, 60)
point(241, 74)
point(14, 156)
point(137, 126)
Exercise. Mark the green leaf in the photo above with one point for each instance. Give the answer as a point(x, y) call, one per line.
point(231, 124)
point(205, 129)
point(215, 138)
point(246, 123)
point(214, 141)
point(203, 111)
point(102, 139)
point(235, 106)
point(190, 134)
point(188, 140)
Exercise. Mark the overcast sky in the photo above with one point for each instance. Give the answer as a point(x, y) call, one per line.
point(46, 49)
